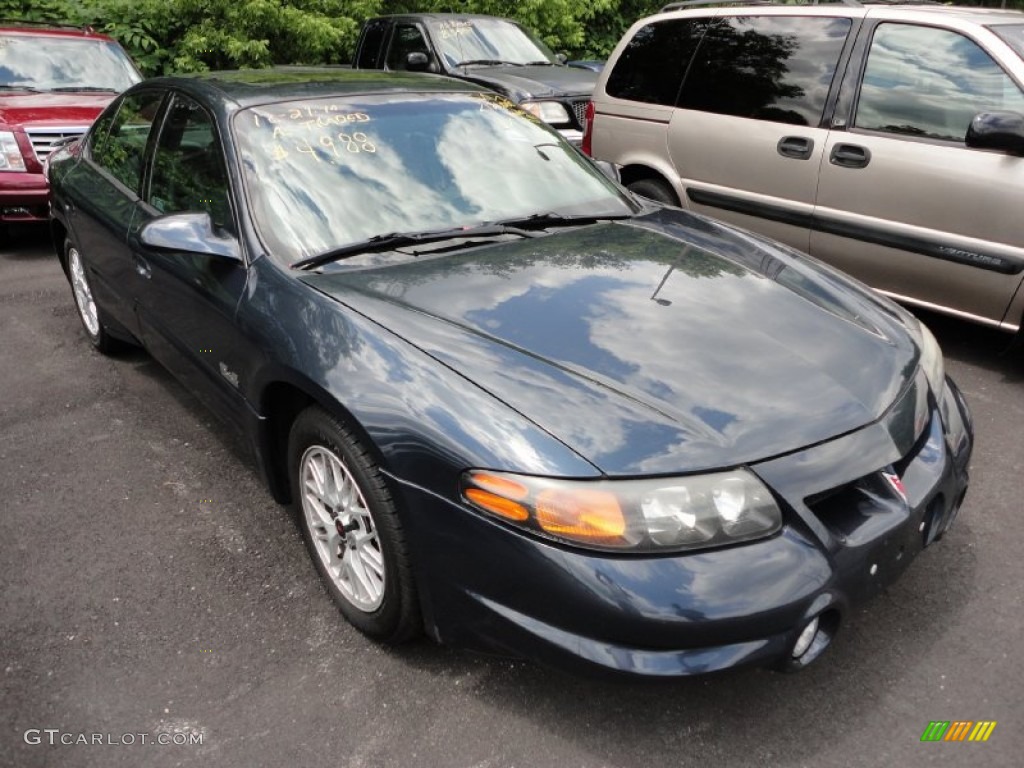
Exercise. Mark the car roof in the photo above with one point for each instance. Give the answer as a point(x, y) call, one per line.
point(47, 30)
point(253, 87)
point(874, 8)
point(445, 16)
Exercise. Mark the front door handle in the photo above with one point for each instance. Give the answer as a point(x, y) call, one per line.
point(849, 156)
point(796, 147)
point(143, 268)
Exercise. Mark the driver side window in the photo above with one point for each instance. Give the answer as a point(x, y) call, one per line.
point(188, 166)
point(407, 38)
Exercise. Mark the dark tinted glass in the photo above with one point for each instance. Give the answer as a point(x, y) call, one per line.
point(121, 149)
point(373, 42)
point(651, 67)
point(923, 81)
point(776, 68)
point(408, 38)
point(188, 169)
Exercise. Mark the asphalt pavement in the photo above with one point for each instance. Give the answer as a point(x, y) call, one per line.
point(152, 591)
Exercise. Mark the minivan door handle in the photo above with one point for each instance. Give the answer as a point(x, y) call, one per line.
point(795, 146)
point(849, 156)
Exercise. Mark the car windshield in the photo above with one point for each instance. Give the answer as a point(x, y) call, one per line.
point(1013, 34)
point(326, 173)
point(493, 41)
point(64, 63)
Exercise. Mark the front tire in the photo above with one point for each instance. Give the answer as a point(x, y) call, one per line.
point(89, 311)
point(351, 527)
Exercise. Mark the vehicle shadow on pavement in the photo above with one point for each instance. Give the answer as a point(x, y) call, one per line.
point(744, 717)
point(977, 345)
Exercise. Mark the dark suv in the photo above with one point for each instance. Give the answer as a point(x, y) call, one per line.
point(53, 83)
point(496, 53)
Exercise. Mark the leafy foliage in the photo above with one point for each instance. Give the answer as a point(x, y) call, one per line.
point(166, 36)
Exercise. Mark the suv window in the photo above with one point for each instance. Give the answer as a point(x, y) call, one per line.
point(53, 63)
point(369, 55)
point(188, 169)
point(776, 68)
point(651, 66)
point(924, 81)
point(120, 150)
point(408, 38)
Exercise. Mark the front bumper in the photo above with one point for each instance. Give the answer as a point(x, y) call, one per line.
point(24, 196)
point(848, 533)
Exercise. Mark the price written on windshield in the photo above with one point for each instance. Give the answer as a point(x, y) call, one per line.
point(308, 131)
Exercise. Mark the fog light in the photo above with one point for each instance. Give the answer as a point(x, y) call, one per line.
point(806, 638)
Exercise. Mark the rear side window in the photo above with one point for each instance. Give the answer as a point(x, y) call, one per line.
point(929, 82)
point(775, 68)
point(120, 150)
point(651, 66)
point(369, 56)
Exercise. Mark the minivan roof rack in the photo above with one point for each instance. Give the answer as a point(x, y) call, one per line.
point(697, 3)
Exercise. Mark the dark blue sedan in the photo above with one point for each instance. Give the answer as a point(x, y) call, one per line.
point(511, 405)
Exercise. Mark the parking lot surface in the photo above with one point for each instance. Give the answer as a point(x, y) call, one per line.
point(149, 586)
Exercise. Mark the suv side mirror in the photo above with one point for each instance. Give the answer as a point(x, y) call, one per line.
point(417, 61)
point(189, 233)
point(1002, 131)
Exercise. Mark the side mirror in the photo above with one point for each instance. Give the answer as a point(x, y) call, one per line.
point(417, 61)
point(562, 58)
point(1001, 131)
point(189, 233)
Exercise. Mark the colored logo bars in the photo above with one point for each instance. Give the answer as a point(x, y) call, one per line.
point(958, 730)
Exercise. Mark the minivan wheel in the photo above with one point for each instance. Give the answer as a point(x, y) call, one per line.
point(654, 189)
point(351, 527)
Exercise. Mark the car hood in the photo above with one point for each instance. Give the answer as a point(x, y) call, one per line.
point(534, 82)
point(64, 109)
point(660, 345)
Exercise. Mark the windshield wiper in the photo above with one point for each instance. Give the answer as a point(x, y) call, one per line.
point(7, 87)
point(83, 88)
point(488, 61)
point(544, 63)
point(551, 219)
point(399, 239)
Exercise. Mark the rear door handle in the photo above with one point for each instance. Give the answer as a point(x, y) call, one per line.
point(796, 147)
point(849, 156)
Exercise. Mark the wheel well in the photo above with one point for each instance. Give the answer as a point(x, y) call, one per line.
point(633, 173)
point(281, 403)
point(58, 234)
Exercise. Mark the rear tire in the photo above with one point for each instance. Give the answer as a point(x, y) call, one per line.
point(89, 312)
point(351, 527)
point(656, 190)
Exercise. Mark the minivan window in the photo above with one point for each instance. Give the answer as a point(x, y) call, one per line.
point(652, 65)
point(776, 68)
point(929, 82)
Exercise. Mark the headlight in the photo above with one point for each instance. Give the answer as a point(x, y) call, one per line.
point(931, 361)
point(658, 514)
point(10, 154)
point(550, 112)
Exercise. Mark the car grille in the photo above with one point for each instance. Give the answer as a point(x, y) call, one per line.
point(43, 139)
point(579, 108)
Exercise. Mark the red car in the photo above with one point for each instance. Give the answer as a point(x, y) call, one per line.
point(54, 81)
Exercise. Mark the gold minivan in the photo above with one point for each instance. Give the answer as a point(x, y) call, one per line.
point(885, 140)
